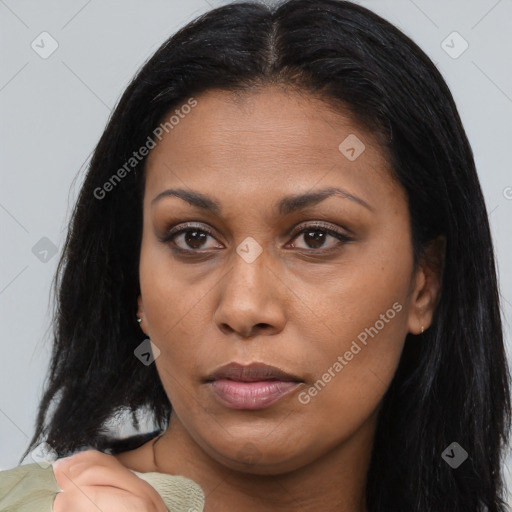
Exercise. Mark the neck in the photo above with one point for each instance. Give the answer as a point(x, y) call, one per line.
point(334, 481)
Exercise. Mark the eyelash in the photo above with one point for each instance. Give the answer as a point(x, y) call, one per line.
point(318, 226)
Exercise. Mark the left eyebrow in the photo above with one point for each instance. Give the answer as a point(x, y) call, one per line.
point(290, 204)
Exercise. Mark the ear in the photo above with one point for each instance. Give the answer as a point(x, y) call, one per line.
point(141, 314)
point(427, 284)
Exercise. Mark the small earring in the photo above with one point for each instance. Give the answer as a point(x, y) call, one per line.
point(422, 329)
point(139, 320)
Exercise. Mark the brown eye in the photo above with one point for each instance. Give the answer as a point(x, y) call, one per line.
point(315, 239)
point(195, 239)
point(317, 236)
point(191, 238)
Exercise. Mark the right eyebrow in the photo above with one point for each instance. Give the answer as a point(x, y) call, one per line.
point(196, 199)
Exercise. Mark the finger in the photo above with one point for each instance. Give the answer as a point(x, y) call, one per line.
point(102, 472)
point(99, 499)
point(77, 468)
point(92, 468)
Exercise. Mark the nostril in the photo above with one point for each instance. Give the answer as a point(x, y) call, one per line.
point(262, 326)
point(226, 328)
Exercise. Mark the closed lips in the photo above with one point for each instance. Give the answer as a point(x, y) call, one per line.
point(254, 372)
point(251, 387)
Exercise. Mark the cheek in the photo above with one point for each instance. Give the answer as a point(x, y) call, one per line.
point(359, 332)
point(169, 294)
point(178, 308)
point(170, 310)
point(353, 370)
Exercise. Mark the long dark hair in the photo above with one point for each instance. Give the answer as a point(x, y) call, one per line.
point(452, 383)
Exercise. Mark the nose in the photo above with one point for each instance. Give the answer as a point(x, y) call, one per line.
point(251, 298)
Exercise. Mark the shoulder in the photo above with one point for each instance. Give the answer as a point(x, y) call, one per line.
point(180, 494)
point(31, 487)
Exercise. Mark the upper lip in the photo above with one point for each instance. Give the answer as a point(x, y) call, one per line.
point(251, 373)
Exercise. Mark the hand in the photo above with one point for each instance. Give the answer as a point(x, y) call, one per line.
point(92, 481)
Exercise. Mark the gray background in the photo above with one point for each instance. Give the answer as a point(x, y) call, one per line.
point(54, 110)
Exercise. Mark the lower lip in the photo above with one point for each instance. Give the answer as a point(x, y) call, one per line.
point(251, 395)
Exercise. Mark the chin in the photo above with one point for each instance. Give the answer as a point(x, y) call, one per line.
point(260, 459)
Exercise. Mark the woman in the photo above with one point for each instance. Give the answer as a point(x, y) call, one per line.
point(282, 251)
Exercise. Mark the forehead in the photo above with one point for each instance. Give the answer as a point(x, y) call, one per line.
point(266, 140)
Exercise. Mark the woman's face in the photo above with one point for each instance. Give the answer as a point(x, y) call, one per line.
point(298, 255)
